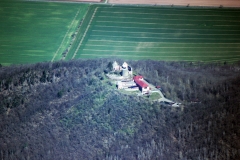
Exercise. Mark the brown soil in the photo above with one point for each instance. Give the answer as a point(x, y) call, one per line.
point(224, 3)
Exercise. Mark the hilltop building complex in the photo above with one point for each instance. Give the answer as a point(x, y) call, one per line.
point(124, 79)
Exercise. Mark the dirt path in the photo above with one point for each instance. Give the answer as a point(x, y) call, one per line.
point(224, 3)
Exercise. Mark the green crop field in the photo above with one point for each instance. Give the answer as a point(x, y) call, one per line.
point(41, 31)
point(36, 31)
point(159, 33)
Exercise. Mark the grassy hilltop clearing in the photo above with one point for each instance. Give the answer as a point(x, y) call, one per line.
point(33, 32)
point(160, 33)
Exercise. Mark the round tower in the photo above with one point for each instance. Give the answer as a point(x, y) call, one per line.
point(115, 66)
point(125, 69)
point(124, 65)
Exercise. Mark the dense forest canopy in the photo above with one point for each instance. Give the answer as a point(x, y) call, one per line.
point(70, 110)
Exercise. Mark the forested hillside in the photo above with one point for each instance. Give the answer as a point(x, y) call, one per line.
point(70, 110)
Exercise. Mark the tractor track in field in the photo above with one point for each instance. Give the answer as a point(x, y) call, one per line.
point(66, 34)
point(84, 34)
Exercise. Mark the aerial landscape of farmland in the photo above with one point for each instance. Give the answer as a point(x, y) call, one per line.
point(119, 79)
point(162, 33)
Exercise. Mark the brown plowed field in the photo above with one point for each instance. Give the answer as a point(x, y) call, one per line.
point(224, 3)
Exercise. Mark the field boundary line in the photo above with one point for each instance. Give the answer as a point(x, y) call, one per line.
point(65, 35)
point(127, 55)
point(160, 33)
point(156, 47)
point(160, 23)
point(158, 42)
point(160, 28)
point(170, 19)
point(170, 14)
point(224, 25)
point(160, 37)
point(226, 59)
point(170, 9)
point(101, 50)
point(85, 33)
point(145, 23)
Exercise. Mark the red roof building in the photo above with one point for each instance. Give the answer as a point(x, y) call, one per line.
point(139, 81)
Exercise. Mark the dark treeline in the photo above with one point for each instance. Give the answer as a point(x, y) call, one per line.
point(69, 110)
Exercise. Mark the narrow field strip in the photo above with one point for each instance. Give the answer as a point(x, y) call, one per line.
point(39, 9)
point(94, 40)
point(65, 36)
point(124, 55)
point(144, 23)
point(170, 14)
point(103, 31)
point(171, 9)
point(195, 52)
point(108, 26)
point(225, 59)
point(225, 25)
point(174, 24)
point(182, 38)
point(137, 18)
point(85, 33)
point(23, 56)
point(156, 47)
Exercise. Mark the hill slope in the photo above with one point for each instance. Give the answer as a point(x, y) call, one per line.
point(69, 110)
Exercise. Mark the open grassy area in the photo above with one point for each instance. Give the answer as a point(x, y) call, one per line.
point(159, 33)
point(36, 31)
point(155, 96)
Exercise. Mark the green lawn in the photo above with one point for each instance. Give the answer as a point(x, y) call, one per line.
point(33, 32)
point(155, 96)
point(159, 33)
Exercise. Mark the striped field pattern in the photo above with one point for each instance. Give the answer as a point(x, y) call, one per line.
point(159, 33)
